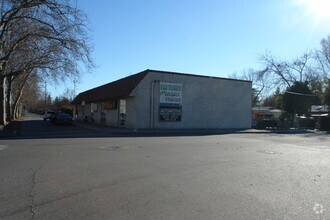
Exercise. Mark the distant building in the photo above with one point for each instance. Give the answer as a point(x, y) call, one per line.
point(320, 110)
point(265, 113)
point(321, 114)
point(168, 100)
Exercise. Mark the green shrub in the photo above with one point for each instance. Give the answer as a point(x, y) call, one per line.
point(67, 109)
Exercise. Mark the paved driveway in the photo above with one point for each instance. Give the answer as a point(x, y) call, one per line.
point(64, 172)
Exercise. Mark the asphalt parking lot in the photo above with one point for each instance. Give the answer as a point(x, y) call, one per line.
point(72, 173)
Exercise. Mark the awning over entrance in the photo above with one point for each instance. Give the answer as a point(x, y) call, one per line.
point(320, 115)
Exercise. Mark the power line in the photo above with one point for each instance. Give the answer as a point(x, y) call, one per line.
point(301, 94)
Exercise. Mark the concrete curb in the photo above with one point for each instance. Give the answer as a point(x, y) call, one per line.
point(126, 131)
point(110, 130)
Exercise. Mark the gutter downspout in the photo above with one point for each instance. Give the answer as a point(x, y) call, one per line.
point(152, 83)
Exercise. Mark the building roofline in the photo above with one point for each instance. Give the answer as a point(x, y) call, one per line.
point(87, 94)
point(120, 90)
point(170, 72)
point(195, 75)
point(144, 71)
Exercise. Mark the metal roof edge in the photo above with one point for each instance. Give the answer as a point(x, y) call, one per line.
point(114, 81)
point(196, 75)
point(107, 84)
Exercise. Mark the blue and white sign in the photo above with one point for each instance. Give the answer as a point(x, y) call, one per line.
point(170, 95)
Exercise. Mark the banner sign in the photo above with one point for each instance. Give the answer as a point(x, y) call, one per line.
point(320, 108)
point(170, 95)
point(170, 114)
point(110, 105)
point(93, 107)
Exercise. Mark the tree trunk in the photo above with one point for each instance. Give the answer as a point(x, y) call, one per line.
point(16, 102)
point(2, 100)
point(17, 113)
point(8, 100)
point(19, 110)
point(19, 94)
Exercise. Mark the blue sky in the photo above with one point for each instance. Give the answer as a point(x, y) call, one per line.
point(209, 37)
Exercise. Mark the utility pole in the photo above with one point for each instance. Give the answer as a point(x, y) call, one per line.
point(74, 88)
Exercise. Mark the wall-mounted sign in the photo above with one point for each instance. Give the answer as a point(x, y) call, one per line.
point(170, 95)
point(170, 114)
point(110, 105)
point(93, 107)
point(320, 108)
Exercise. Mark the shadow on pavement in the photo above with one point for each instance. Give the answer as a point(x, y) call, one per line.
point(46, 130)
point(39, 129)
point(13, 128)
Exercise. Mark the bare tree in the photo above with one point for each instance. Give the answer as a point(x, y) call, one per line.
point(311, 68)
point(18, 85)
point(261, 85)
point(25, 89)
point(275, 69)
point(31, 95)
point(52, 31)
point(300, 68)
point(323, 57)
point(285, 73)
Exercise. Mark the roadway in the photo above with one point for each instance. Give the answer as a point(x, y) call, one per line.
point(66, 172)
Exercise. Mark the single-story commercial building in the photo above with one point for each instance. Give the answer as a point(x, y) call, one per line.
point(168, 100)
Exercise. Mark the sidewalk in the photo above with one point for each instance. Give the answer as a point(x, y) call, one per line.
point(102, 128)
point(128, 131)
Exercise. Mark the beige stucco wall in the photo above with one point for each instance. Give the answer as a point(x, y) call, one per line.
point(87, 111)
point(131, 118)
point(112, 117)
point(207, 103)
point(97, 113)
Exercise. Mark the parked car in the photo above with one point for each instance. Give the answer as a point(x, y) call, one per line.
point(62, 118)
point(48, 115)
point(52, 117)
